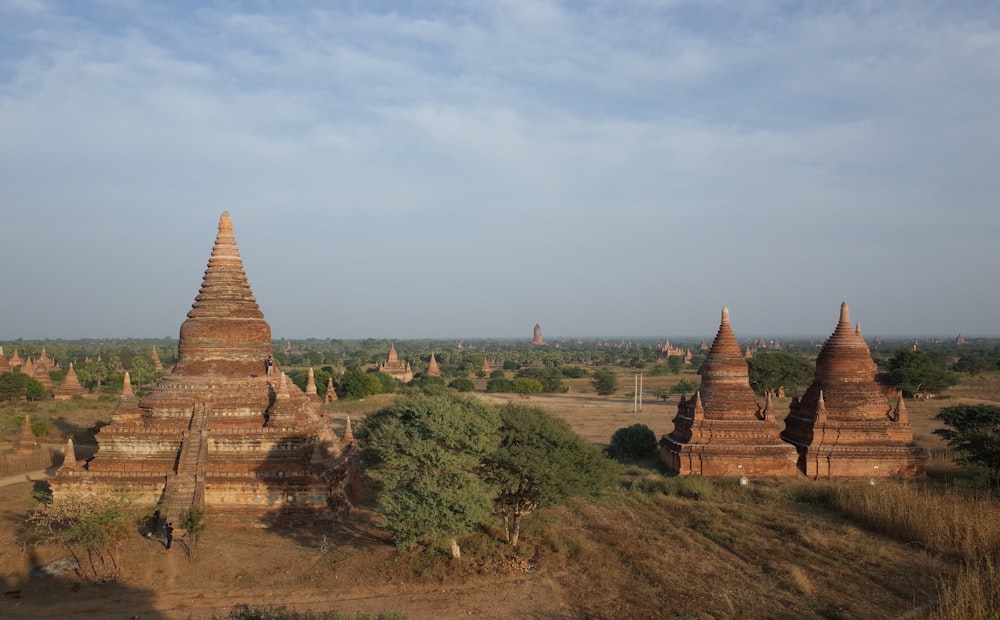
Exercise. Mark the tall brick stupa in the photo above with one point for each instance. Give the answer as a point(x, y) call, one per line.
point(225, 431)
point(844, 425)
point(722, 430)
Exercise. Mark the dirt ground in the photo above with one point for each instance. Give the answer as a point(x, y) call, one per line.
point(287, 568)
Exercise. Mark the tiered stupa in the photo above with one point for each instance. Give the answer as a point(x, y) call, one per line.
point(157, 364)
point(432, 367)
point(26, 443)
point(395, 367)
point(486, 366)
point(70, 387)
point(722, 430)
point(220, 433)
point(844, 426)
point(15, 360)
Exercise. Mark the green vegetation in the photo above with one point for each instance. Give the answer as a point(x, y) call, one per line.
point(770, 370)
point(914, 372)
point(423, 454)
point(633, 442)
point(355, 383)
point(19, 386)
point(539, 462)
point(605, 382)
point(974, 432)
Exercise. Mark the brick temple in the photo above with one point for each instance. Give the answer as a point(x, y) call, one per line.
point(395, 367)
point(722, 430)
point(226, 431)
point(844, 425)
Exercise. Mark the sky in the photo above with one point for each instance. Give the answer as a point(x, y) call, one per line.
point(451, 169)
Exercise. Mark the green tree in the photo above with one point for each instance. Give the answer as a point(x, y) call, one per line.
point(540, 462)
point(913, 372)
point(974, 432)
point(550, 378)
point(17, 385)
point(424, 453)
point(605, 381)
point(462, 385)
point(499, 384)
point(358, 384)
point(770, 370)
point(683, 387)
point(524, 385)
point(633, 442)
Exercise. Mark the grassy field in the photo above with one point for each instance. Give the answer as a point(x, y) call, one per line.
point(657, 547)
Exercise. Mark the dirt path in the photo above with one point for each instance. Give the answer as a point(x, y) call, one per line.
point(30, 476)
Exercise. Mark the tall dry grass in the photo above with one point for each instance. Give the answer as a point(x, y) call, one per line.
point(950, 522)
point(946, 521)
point(44, 458)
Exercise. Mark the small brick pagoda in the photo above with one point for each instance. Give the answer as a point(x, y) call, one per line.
point(844, 425)
point(70, 387)
point(432, 367)
point(722, 430)
point(225, 431)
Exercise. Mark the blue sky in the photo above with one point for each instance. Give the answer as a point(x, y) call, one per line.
point(464, 170)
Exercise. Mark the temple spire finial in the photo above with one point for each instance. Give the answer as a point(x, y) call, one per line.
point(725, 314)
point(845, 315)
point(126, 385)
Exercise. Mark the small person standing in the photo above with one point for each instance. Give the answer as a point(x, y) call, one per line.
point(168, 534)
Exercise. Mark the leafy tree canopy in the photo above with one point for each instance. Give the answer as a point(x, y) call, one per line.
point(358, 384)
point(540, 461)
point(770, 370)
point(17, 385)
point(974, 431)
point(605, 382)
point(633, 442)
point(424, 453)
point(914, 372)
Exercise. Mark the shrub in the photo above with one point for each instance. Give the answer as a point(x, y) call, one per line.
point(462, 385)
point(633, 442)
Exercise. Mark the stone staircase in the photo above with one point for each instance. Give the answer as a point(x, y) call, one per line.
point(185, 488)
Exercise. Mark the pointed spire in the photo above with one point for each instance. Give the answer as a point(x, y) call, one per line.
point(224, 321)
point(901, 415)
point(282, 393)
point(348, 432)
point(127, 385)
point(69, 459)
point(697, 409)
point(157, 364)
point(26, 442)
point(857, 330)
point(311, 383)
point(821, 415)
point(845, 315)
point(432, 367)
point(725, 315)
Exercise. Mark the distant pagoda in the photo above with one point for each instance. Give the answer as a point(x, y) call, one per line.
point(70, 387)
point(395, 367)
